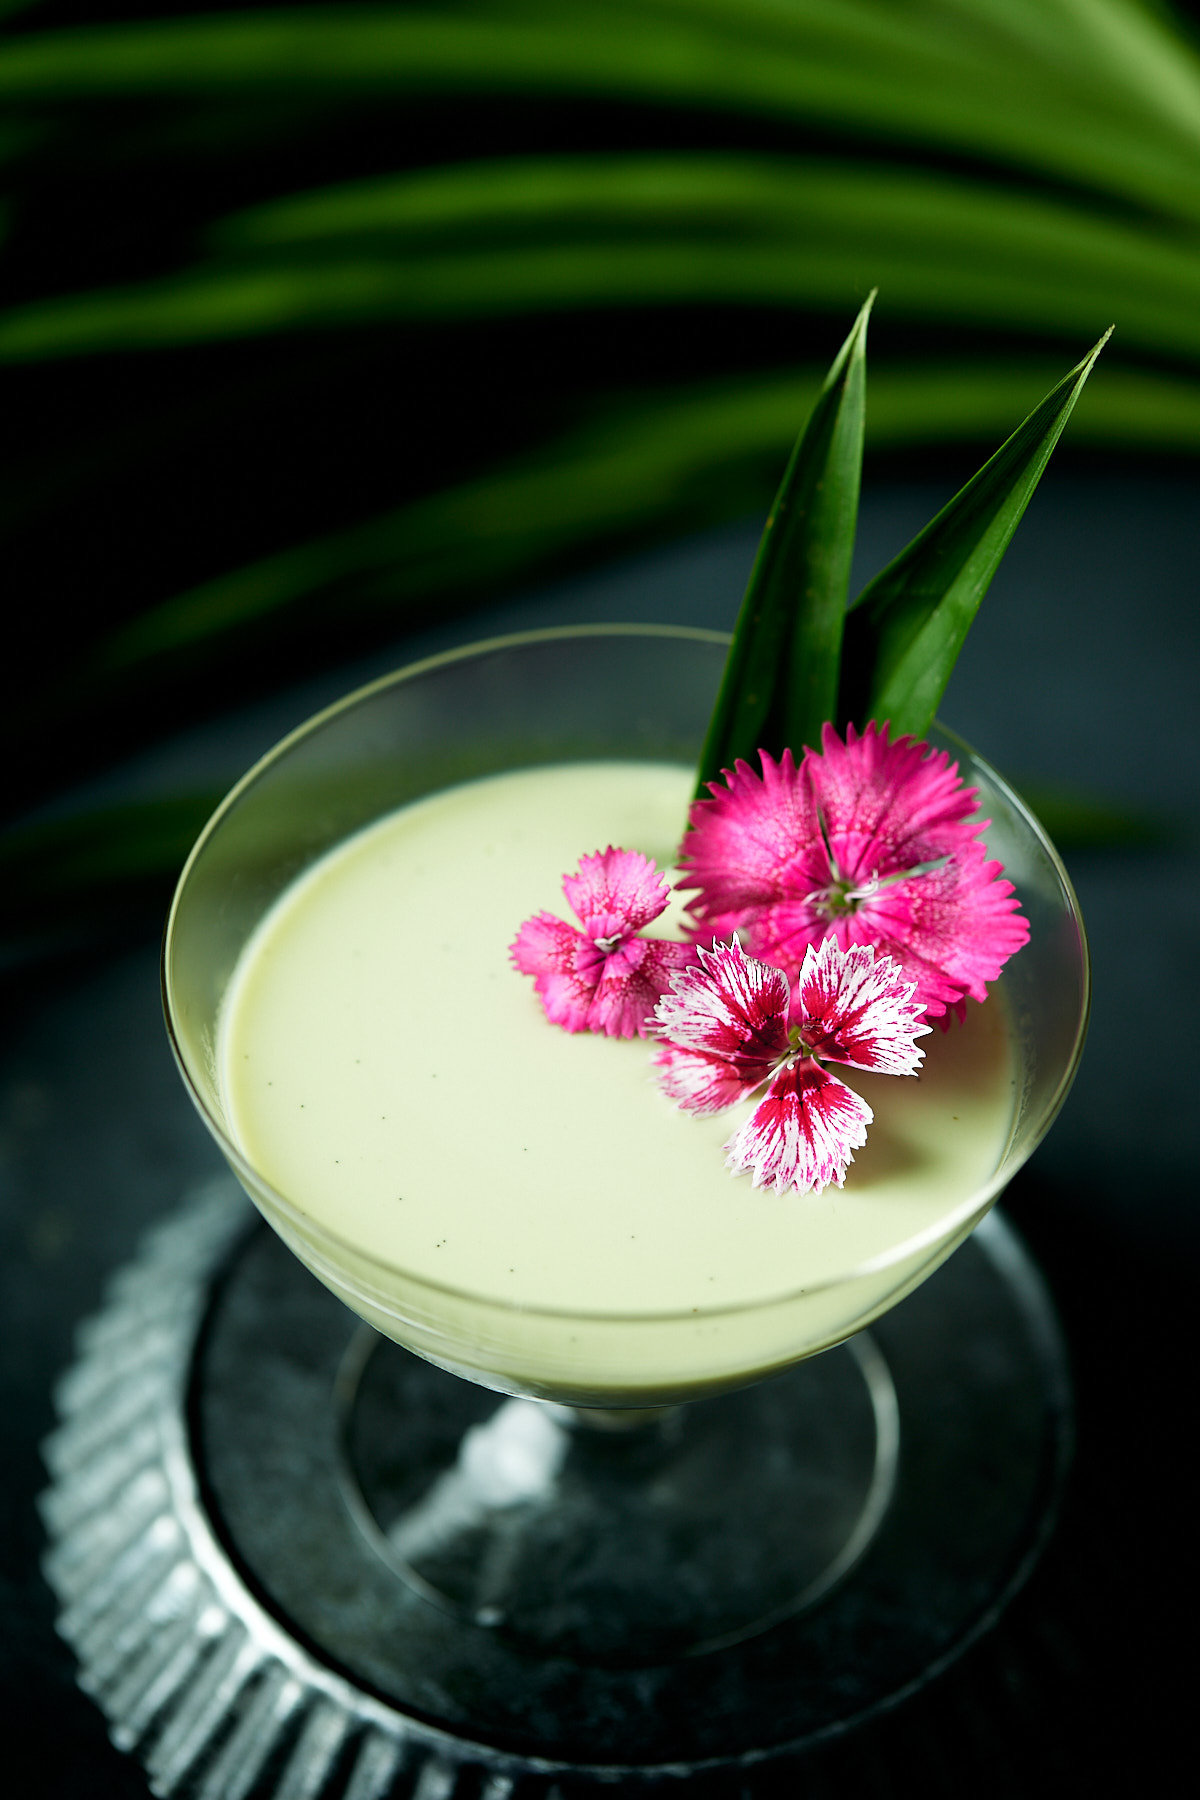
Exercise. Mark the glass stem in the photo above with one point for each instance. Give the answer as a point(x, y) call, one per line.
point(612, 1419)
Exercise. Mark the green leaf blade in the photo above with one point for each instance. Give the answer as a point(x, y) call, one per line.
point(905, 630)
point(781, 679)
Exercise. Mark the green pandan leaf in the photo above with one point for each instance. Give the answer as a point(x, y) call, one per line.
point(905, 630)
point(781, 678)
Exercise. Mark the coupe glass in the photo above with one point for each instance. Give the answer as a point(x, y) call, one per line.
point(587, 1513)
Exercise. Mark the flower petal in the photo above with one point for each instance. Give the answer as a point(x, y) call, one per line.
point(633, 979)
point(757, 854)
point(730, 1006)
point(952, 929)
point(614, 893)
point(856, 1007)
point(888, 807)
point(566, 967)
point(757, 842)
point(803, 1132)
point(696, 1081)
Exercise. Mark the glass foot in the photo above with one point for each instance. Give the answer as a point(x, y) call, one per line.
point(621, 1537)
point(283, 1425)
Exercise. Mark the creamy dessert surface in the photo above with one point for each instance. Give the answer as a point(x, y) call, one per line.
point(386, 1069)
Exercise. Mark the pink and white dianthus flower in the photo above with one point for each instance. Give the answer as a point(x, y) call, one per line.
point(605, 978)
point(869, 841)
point(724, 1032)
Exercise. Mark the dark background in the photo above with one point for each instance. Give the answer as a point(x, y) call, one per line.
point(1081, 1686)
point(128, 478)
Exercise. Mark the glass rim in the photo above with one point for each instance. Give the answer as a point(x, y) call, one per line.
point(948, 1226)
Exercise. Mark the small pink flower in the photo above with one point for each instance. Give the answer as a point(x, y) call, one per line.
point(870, 841)
point(605, 977)
point(724, 1031)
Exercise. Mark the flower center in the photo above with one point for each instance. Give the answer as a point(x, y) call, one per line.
point(841, 898)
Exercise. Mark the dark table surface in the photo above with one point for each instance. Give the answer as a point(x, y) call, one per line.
point(1082, 670)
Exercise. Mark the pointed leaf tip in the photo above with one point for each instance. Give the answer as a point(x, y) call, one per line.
point(905, 630)
point(1084, 366)
point(781, 677)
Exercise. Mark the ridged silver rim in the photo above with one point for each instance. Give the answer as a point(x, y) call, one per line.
point(195, 1678)
point(201, 1682)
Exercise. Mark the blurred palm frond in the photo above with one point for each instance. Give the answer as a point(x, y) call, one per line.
point(319, 319)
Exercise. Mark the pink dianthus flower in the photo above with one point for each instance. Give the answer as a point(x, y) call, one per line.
point(607, 977)
point(724, 1032)
point(870, 841)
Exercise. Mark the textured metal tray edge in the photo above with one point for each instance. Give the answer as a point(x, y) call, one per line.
point(195, 1677)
